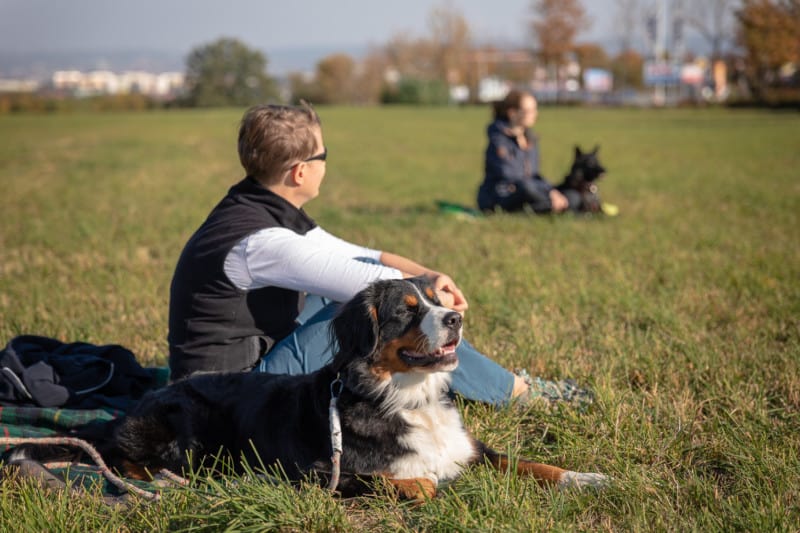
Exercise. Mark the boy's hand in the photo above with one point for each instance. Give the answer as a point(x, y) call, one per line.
point(449, 294)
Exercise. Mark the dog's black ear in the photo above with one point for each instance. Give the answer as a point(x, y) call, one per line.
point(355, 328)
point(578, 152)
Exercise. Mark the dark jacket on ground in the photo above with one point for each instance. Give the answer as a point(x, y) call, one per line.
point(44, 372)
point(213, 325)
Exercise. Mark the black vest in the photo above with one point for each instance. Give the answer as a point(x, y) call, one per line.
point(213, 325)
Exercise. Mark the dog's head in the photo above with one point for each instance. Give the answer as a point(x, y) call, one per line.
point(586, 167)
point(397, 331)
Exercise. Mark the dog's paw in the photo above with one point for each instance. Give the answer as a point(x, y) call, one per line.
point(580, 480)
point(417, 489)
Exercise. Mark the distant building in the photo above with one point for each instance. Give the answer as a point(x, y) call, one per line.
point(18, 86)
point(163, 86)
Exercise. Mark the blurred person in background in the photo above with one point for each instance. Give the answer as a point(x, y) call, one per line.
point(512, 181)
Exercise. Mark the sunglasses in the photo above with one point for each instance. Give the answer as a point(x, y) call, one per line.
point(322, 156)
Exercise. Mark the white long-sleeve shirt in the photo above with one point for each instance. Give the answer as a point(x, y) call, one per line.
point(316, 263)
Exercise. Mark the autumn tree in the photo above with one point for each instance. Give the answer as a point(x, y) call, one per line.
point(340, 79)
point(415, 75)
point(406, 69)
point(626, 66)
point(591, 55)
point(371, 78)
point(303, 86)
point(425, 66)
point(555, 25)
point(411, 57)
point(515, 66)
point(227, 73)
point(769, 33)
point(450, 43)
point(627, 69)
point(335, 79)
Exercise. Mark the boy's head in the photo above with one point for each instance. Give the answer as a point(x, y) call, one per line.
point(518, 107)
point(274, 137)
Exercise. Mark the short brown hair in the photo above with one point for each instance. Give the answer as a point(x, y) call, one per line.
point(272, 137)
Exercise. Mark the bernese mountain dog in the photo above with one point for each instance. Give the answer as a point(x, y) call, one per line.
point(396, 349)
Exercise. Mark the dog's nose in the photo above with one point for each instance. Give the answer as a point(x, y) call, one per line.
point(452, 320)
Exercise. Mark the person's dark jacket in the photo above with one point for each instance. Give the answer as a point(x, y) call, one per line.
point(507, 165)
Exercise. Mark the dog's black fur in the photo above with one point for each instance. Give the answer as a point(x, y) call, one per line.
point(396, 349)
point(586, 171)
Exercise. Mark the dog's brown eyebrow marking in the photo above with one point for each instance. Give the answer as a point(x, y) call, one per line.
point(373, 311)
point(429, 292)
point(411, 300)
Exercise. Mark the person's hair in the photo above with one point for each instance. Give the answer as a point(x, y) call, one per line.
point(273, 137)
point(512, 100)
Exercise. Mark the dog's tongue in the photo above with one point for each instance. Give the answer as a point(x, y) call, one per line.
point(446, 349)
point(426, 359)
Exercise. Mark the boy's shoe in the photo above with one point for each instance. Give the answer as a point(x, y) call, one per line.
point(553, 392)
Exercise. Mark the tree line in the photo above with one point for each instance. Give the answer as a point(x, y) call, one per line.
point(762, 38)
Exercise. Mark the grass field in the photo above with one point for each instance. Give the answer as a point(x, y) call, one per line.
point(683, 313)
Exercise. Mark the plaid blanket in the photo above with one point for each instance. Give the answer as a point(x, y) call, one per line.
point(16, 421)
point(26, 421)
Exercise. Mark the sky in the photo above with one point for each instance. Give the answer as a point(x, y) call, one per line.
point(180, 25)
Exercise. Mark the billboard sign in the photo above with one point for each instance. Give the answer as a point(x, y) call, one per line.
point(692, 74)
point(597, 80)
point(661, 73)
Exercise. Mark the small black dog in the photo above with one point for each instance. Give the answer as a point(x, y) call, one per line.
point(582, 178)
point(397, 347)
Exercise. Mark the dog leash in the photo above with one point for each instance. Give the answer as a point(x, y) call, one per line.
point(336, 432)
point(89, 449)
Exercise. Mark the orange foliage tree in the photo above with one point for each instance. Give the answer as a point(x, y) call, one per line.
point(555, 26)
point(627, 69)
point(769, 33)
point(591, 55)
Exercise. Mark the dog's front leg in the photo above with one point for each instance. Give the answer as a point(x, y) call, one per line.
point(350, 485)
point(545, 474)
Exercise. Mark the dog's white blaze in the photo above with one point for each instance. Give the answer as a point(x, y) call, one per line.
point(432, 325)
point(441, 446)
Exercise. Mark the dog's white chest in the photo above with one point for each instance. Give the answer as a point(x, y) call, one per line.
point(441, 446)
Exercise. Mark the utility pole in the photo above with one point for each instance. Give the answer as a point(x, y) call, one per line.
point(660, 49)
point(678, 42)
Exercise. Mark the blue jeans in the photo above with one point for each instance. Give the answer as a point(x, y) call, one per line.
point(311, 347)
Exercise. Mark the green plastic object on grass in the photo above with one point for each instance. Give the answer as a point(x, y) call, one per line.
point(458, 209)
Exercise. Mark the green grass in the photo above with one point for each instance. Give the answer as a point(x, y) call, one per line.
point(682, 313)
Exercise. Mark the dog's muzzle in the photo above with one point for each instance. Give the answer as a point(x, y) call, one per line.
point(444, 352)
